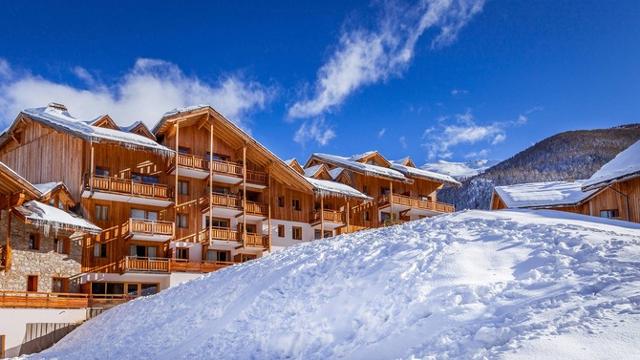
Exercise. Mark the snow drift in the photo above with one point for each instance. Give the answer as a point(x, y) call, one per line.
point(467, 285)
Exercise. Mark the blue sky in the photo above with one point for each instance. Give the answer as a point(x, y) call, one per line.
point(458, 80)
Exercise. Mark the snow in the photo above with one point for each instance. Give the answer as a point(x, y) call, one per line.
point(62, 120)
point(336, 188)
point(184, 109)
point(624, 165)
point(412, 171)
point(459, 170)
point(335, 172)
point(43, 214)
point(367, 168)
point(45, 188)
point(311, 170)
point(543, 194)
point(472, 284)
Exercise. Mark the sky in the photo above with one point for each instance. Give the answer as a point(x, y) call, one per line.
point(454, 80)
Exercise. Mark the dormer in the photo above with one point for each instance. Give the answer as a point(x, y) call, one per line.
point(141, 129)
point(372, 158)
point(104, 121)
point(295, 165)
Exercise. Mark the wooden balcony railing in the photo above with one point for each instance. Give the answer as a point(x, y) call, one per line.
point(257, 240)
point(416, 202)
point(226, 200)
point(128, 187)
point(328, 215)
point(145, 264)
point(256, 177)
point(149, 227)
point(257, 208)
point(181, 265)
point(41, 300)
point(227, 167)
point(193, 161)
point(223, 234)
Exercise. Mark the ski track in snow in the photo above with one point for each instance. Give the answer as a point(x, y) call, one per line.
point(473, 285)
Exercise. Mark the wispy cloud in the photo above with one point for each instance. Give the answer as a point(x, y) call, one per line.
point(144, 93)
point(456, 92)
point(381, 133)
point(403, 142)
point(314, 130)
point(461, 129)
point(367, 56)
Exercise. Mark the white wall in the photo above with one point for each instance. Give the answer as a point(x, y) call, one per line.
point(195, 249)
point(278, 243)
point(13, 322)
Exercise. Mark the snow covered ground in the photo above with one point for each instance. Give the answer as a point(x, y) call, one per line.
point(474, 284)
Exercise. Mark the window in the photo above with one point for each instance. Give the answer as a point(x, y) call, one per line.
point(183, 187)
point(34, 241)
point(100, 250)
point(32, 283)
point(253, 196)
point(184, 150)
point(613, 213)
point(365, 216)
point(218, 255)
point(102, 213)
point(102, 171)
point(280, 201)
point(59, 285)
point(147, 179)
point(280, 230)
point(182, 253)
point(143, 251)
point(251, 228)
point(385, 216)
point(327, 234)
point(220, 190)
point(144, 214)
point(219, 157)
point(218, 223)
point(384, 190)
point(182, 220)
point(295, 203)
point(296, 232)
point(61, 246)
point(365, 190)
point(148, 289)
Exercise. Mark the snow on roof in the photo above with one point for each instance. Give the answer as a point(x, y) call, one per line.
point(543, 194)
point(335, 172)
point(311, 170)
point(62, 120)
point(625, 165)
point(45, 188)
point(183, 109)
point(43, 214)
point(357, 157)
point(336, 188)
point(367, 168)
point(412, 171)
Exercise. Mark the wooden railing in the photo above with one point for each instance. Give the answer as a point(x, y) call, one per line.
point(415, 202)
point(129, 187)
point(257, 208)
point(257, 240)
point(223, 234)
point(41, 300)
point(193, 161)
point(328, 215)
point(226, 200)
point(145, 264)
point(149, 227)
point(180, 265)
point(227, 167)
point(3, 256)
point(256, 177)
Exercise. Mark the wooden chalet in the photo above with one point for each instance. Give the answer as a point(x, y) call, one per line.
point(612, 192)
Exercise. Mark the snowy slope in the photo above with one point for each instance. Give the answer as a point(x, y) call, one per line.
point(472, 284)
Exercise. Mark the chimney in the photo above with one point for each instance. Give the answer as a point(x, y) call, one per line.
point(57, 106)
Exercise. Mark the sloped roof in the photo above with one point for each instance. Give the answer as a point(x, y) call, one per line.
point(11, 183)
point(37, 213)
point(336, 188)
point(426, 174)
point(369, 169)
point(543, 194)
point(625, 165)
point(61, 120)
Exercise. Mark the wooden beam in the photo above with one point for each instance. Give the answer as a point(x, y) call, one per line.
point(176, 165)
point(269, 204)
point(321, 217)
point(210, 180)
point(7, 262)
point(244, 195)
point(347, 210)
point(92, 169)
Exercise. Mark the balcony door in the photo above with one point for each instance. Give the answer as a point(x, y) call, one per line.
point(140, 214)
point(143, 251)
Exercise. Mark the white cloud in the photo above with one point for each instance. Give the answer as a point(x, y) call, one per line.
point(456, 92)
point(314, 130)
point(364, 57)
point(381, 133)
point(403, 141)
point(144, 93)
point(478, 154)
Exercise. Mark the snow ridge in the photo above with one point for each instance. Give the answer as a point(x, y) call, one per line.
point(473, 284)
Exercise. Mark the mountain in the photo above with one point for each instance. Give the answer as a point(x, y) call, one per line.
point(469, 285)
point(569, 155)
point(460, 170)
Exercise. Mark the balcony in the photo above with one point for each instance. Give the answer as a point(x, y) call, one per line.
point(145, 264)
point(191, 166)
point(168, 265)
point(225, 234)
point(42, 300)
point(332, 219)
point(180, 265)
point(126, 190)
point(149, 230)
point(414, 206)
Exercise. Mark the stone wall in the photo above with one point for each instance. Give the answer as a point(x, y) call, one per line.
point(45, 262)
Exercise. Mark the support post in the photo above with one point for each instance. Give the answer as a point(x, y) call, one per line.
point(391, 200)
point(269, 205)
point(321, 216)
point(7, 262)
point(92, 169)
point(244, 195)
point(176, 165)
point(210, 180)
point(347, 211)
